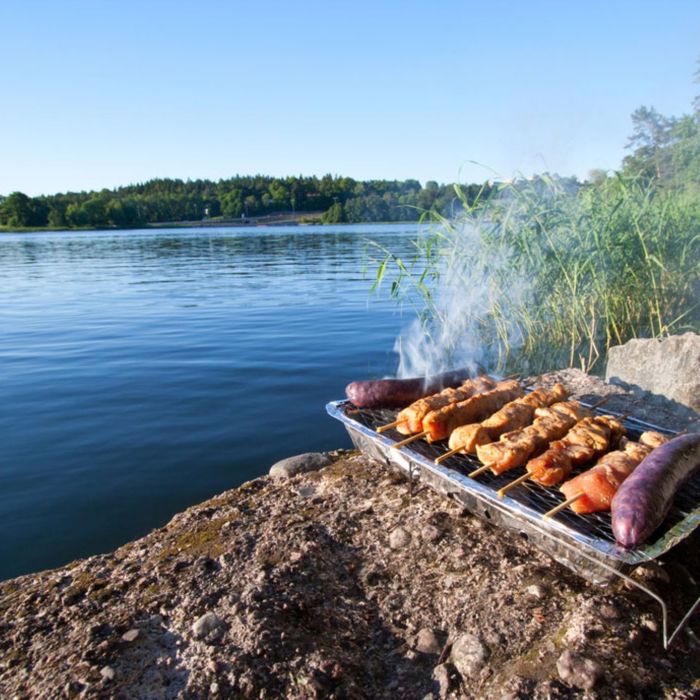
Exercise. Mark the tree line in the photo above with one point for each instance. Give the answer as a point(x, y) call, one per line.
point(163, 200)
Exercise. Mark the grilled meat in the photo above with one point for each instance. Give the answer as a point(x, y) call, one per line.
point(440, 423)
point(516, 447)
point(586, 440)
point(411, 417)
point(600, 483)
point(513, 415)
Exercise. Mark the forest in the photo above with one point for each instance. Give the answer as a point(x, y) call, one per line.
point(240, 198)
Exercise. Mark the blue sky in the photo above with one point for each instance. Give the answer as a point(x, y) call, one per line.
point(99, 94)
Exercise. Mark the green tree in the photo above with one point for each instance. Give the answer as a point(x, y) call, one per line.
point(334, 215)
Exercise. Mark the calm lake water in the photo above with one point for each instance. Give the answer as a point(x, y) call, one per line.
point(144, 371)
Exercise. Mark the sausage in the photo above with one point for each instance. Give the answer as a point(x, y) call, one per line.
point(645, 497)
point(398, 393)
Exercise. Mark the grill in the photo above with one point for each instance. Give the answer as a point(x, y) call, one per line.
point(583, 543)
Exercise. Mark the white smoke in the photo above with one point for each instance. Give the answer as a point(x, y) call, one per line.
point(469, 322)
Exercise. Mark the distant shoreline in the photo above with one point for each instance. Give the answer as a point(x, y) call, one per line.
point(301, 219)
point(305, 218)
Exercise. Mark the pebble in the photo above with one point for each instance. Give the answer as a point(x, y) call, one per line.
point(609, 612)
point(108, 673)
point(307, 491)
point(578, 670)
point(208, 625)
point(650, 624)
point(469, 655)
point(431, 533)
point(427, 642)
point(442, 675)
point(130, 636)
point(299, 464)
point(536, 591)
point(399, 538)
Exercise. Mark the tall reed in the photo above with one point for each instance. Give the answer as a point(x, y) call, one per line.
point(564, 274)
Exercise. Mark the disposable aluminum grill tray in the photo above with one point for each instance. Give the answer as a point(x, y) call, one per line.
point(584, 543)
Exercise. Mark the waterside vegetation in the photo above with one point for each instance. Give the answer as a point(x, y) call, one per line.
point(566, 272)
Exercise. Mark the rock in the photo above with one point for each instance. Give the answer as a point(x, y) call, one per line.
point(536, 591)
point(130, 636)
point(650, 624)
point(578, 670)
point(299, 464)
point(399, 538)
point(469, 655)
point(431, 533)
point(427, 642)
point(608, 611)
point(444, 678)
point(669, 367)
point(307, 491)
point(107, 672)
point(209, 625)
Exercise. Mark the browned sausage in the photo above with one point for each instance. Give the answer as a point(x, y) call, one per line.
point(398, 393)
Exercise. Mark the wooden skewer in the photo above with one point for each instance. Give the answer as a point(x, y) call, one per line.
point(480, 470)
point(521, 479)
point(442, 458)
point(417, 436)
point(601, 402)
point(561, 506)
point(388, 426)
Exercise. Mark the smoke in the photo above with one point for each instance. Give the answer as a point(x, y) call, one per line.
point(469, 316)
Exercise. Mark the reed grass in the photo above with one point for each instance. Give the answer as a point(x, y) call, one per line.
point(569, 273)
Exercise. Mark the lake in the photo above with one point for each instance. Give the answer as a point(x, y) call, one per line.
point(144, 371)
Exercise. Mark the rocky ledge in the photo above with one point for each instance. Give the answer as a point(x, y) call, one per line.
point(336, 583)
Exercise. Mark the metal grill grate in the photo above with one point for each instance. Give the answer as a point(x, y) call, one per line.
point(530, 495)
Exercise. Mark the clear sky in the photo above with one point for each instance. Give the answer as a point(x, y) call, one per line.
point(104, 93)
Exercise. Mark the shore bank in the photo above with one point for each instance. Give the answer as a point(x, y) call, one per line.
point(336, 583)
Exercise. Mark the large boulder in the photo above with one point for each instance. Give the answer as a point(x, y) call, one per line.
point(669, 367)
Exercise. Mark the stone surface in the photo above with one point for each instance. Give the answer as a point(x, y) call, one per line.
point(208, 625)
point(469, 655)
point(578, 670)
point(669, 367)
point(536, 591)
point(443, 675)
point(399, 538)
point(314, 602)
point(431, 533)
point(427, 642)
point(130, 636)
point(299, 464)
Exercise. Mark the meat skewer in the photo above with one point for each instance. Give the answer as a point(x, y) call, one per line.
point(438, 424)
point(410, 418)
point(516, 447)
point(593, 490)
point(516, 414)
point(586, 440)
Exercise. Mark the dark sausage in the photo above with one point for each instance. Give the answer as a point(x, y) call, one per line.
point(398, 393)
point(645, 497)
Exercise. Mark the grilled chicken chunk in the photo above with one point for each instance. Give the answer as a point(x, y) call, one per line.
point(587, 439)
point(442, 422)
point(412, 416)
point(513, 415)
point(516, 447)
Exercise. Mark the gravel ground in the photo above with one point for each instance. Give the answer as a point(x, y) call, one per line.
point(337, 584)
